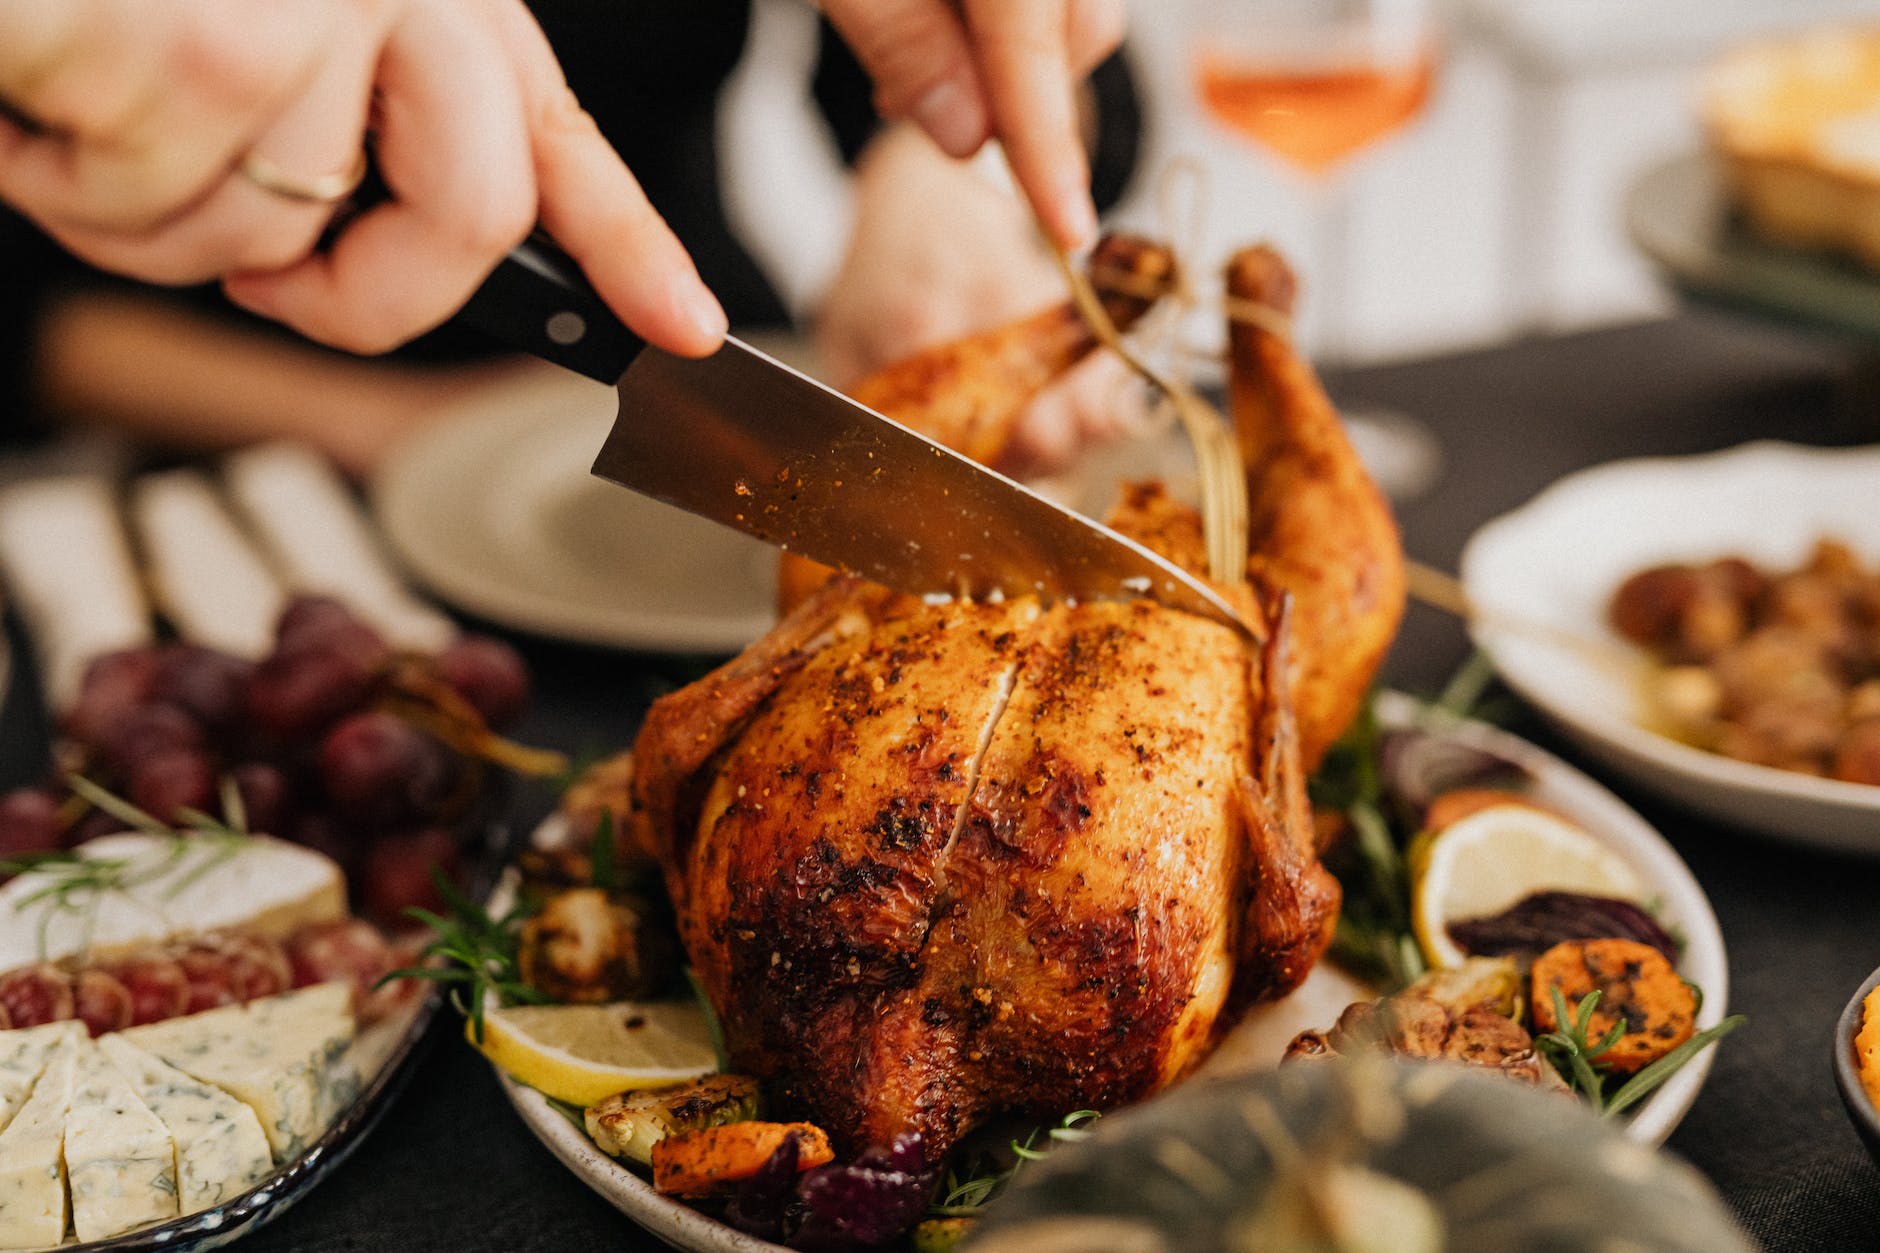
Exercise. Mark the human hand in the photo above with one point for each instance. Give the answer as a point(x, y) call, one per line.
point(968, 70)
point(937, 252)
point(138, 133)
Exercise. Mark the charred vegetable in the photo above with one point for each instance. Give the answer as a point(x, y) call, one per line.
point(1536, 923)
point(1644, 1009)
point(629, 1124)
point(587, 947)
point(712, 1159)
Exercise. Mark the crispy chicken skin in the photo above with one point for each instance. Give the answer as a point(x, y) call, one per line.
point(1320, 529)
point(969, 394)
point(935, 862)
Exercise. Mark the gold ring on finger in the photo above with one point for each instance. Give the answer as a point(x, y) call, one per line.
point(320, 189)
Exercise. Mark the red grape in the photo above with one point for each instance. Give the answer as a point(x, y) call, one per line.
point(324, 833)
point(172, 779)
point(308, 619)
point(380, 769)
point(114, 685)
point(266, 796)
point(490, 675)
point(319, 623)
point(206, 684)
point(297, 695)
point(148, 731)
point(29, 821)
point(95, 823)
point(397, 872)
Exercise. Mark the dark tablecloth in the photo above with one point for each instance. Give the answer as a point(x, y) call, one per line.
point(452, 1168)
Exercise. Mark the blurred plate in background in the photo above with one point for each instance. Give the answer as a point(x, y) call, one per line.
point(1679, 214)
point(494, 510)
point(1546, 571)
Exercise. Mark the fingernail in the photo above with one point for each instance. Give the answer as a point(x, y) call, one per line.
point(952, 117)
point(706, 315)
point(1076, 215)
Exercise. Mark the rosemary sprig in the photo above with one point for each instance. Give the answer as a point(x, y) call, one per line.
point(472, 953)
point(966, 1195)
point(78, 884)
point(713, 1027)
point(1649, 1079)
point(1578, 1059)
point(603, 869)
point(1572, 1053)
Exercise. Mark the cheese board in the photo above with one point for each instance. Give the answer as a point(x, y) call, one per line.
point(265, 753)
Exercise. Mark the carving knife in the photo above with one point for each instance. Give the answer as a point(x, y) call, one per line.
point(746, 441)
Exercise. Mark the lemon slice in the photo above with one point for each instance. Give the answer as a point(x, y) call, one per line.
point(1493, 858)
point(582, 1054)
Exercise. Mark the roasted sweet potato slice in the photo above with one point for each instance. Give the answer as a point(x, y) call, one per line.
point(1453, 806)
point(699, 1163)
point(1637, 987)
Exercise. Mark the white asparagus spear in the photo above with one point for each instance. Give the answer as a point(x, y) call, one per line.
point(207, 577)
point(64, 553)
point(319, 539)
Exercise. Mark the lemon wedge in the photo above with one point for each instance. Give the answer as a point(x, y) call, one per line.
point(1494, 858)
point(583, 1054)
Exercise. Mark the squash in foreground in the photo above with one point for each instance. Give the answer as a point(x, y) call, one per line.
point(1338, 1158)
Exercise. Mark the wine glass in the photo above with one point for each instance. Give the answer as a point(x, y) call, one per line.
point(1315, 83)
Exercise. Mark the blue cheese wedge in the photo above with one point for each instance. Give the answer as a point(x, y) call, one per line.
point(221, 1151)
point(274, 1055)
point(23, 1055)
point(120, 1161)
point(32, 1167)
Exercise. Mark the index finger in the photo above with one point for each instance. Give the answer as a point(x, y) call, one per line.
point(1023, 51)
point(593, 207)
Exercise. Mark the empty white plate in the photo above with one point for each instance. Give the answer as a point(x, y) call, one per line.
point(494, 510)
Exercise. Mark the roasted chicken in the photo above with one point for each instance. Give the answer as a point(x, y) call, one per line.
point(933, 862)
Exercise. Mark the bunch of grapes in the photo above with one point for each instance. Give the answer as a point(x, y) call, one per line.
point(334, 740)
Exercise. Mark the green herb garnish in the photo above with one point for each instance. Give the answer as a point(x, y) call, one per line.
point(471, 952)
point(713, 1027)
point(603, 870)
point(77, 884)
point(1578, 1059)
point(965, 1195)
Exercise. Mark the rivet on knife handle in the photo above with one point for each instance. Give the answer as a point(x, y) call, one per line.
point(538, 301)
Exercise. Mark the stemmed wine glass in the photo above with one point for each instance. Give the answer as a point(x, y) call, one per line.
point(1315, 83)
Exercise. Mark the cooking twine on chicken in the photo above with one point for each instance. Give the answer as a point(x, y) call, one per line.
point(1223, 477)
point(1223, 480)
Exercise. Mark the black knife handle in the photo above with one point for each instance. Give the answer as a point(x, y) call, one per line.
point(537, 300)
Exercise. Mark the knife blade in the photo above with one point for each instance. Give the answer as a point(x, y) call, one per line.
point(742, 439)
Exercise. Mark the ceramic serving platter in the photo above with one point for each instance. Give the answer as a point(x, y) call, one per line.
point(1259, 1041)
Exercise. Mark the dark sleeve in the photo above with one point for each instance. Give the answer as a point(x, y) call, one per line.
point(846, 98)
point(32, 268)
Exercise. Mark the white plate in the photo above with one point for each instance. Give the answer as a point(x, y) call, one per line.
point(494, 509)
point(1557, 560)
point(1258, 1042)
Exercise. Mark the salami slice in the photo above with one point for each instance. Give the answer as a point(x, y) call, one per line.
point(347, 948)
point(35, 995)
point(101, 1001)
point(159, 989)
